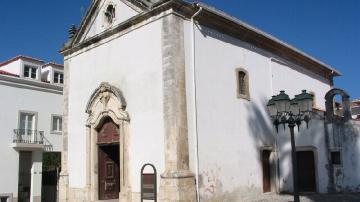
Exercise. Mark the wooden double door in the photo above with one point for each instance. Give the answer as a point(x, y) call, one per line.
point(109, 161)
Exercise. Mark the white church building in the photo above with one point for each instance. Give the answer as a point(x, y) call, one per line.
point(31, 125)
point(182, 87)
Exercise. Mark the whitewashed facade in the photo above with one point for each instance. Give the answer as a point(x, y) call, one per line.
point(30, 103)
point(166, 73)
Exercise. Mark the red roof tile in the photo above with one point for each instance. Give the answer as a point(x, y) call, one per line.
point(21, 57)
point(53, 64)
point(8, 73)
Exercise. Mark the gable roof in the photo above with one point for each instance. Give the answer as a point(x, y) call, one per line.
point(138, 5)
point(53, 64)
point(209, 17)
point(23, 57)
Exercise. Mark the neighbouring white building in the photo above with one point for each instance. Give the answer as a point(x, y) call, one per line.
point(31, 125)
point(184, 87)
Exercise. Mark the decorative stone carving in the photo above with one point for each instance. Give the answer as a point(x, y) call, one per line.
point(106, 101)
point(105, 90)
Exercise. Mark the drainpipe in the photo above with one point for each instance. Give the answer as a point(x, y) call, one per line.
point(194, 100)
point(277, 152)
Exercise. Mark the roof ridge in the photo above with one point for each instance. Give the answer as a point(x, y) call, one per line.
point(52, 63)
point(20, 57)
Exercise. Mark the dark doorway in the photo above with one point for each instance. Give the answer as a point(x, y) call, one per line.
point(266, 170)
point(24, 186)
point(109, 162)
point(306, 171)
point(50, 175)
point(109, 172)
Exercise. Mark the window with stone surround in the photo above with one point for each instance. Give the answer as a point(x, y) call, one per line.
point(27, 122)
point(242, 80)
point(336, 157)
point(56, 124)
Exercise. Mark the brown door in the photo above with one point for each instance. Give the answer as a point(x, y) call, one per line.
point(109, 172)
point(109, 166)
point(266, 170)
point(306, 171)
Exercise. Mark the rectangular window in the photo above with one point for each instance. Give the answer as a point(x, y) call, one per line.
point(58, 78)
point(56, 124)
point(242, 78)
point(335, 158)
point(27, 123)
point(30, 72)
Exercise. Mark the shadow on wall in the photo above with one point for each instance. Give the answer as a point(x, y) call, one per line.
point(265, 137)
point(348, 181)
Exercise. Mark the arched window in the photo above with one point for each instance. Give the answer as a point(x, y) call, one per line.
point(242, 78)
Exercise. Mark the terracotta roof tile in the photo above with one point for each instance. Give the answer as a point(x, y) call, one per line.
point(53, 64)
point(8, 73)
point(21, 57)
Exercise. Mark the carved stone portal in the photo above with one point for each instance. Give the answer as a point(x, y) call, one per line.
point(106, 103)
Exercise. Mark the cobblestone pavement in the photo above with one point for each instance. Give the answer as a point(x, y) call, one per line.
point(272, 197)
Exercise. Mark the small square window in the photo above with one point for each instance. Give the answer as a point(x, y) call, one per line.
point(336, 158)
point(30, 72)
point(58, 78)
point(56, 124)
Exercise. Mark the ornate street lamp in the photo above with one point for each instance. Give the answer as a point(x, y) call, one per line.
point(292, 112)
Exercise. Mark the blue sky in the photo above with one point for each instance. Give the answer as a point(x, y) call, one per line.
point(329, 30)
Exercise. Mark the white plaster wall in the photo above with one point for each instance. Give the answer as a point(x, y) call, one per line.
point(98, 25)
point(308, 139)
point(132, 63)
point(13, 67)
point(36, 174)
point(13, 100)
point(232, 131)
point(295, 79)
point(46, 73)
point(348, 178)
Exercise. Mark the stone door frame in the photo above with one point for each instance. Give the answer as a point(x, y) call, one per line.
point(107, 102)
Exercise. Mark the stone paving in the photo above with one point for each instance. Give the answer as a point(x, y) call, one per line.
point(272, 197)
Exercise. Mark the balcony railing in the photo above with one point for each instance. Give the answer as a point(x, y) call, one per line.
point(28, 136)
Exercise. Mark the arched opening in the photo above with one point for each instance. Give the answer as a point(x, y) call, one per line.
point(108, 160)
point(242, 78)
point(337, 105)
point(338, 109)
point(107, 145)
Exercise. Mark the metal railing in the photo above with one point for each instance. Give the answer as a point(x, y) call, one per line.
point(28, 136)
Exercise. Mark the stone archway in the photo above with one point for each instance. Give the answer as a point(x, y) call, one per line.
point(107, 102)
point(329, 97)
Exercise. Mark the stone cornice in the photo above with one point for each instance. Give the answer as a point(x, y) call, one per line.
point(223, 23)
point(30, 84)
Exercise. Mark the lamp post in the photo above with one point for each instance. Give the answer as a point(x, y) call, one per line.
point(292, 112)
